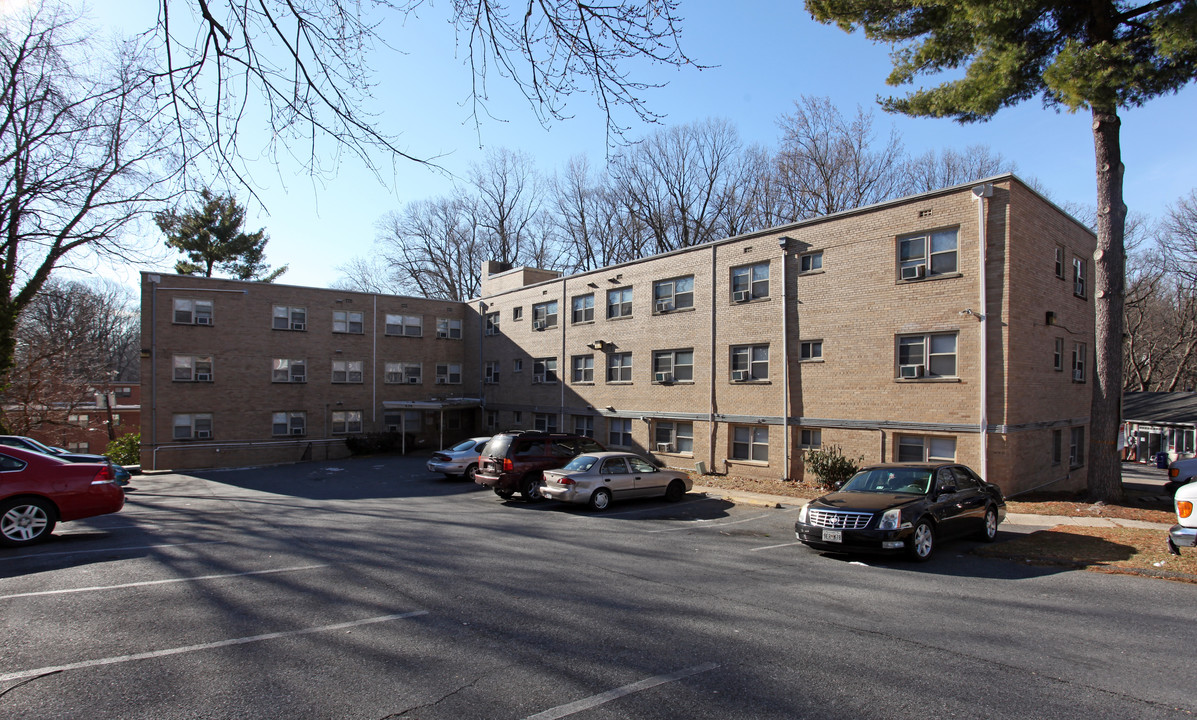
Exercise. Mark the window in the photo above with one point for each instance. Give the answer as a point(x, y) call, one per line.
point(927, 255)
point(1057, 446)
point(80, 420)
point(1078, 277)
point(810, 350)
point(811, 438)
point(405, 325)
point(346, 421)
point(192, 368)
point(619, 303)
point(919, 448)
point(347, 371)
point(517, 365)
point(675, 294)
point(518, 416)
point(1058, 355)
point(192, 426)
point(192, 312)
point(448, 374)
point(80, 447)
point(811, 262)
point(448, 328)
point(1076, 447)
point(544, 422)
point(492, 323)
point(750, 442)
point(584, 425)
point(750, 281)
point(544, 315)
point(749, 362)
point(583, 309)
point(619, 367)
point(289, 423)
point(492, 419)
point(490, 372)
point(673, 366)
point(1078, 362)
point(673, 437)
point(517, 313)
point(583, 368)
point(619, 432)
point(932, 355)
point(124, 391)
point(347, 322)
point(544, 370)
point(289, 318)
point(1060, 261)
point(403, 373)
point(285, 370)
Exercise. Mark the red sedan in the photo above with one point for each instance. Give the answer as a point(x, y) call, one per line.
point(38, 491)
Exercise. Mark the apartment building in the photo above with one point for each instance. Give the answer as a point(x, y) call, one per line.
point(954, 324)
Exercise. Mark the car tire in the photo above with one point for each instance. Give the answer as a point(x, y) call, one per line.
point(471, 471)
point(504, 493)
point(26, 521)
point(530, 488)
point(989, 530)
point(675, 491)
point(921, 544)
point(600, 499)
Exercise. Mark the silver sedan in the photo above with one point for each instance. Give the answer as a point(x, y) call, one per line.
point(598, 478)
point(461, 459)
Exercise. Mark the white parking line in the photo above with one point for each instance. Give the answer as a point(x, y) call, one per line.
point(111, 549)
point(159, 582)
point(704, 527)
point(21, 675)
point(596, 700)
point(771, 547)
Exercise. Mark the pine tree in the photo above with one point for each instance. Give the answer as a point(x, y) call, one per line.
point(211, 238)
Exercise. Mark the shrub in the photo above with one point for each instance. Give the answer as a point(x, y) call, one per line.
point(379, 442)
point(125, 450)
point(830, 465)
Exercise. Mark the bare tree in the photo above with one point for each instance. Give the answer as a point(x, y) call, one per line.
point(947, 167)
point(507, 207)
point(432, 248)
point(372, 274)
point(595, 230)
point(1178, 236)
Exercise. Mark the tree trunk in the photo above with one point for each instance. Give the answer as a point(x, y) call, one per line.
point(1109, 297)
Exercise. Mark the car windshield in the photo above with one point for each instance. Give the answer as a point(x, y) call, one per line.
point(463, 445)
point(915, 481)
point(581, 462)
point(497, 447)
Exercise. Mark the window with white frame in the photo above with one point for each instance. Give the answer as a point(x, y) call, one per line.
point(1058, 355)
point(926, 448)
point(670, 436)
point(492, 419)
point(544, 315)
point(544, 370)
point(347, 371)
point(1078, 277)
point(348, 321)
point(1078, 362)
point(192, 312)
point(78, 419)
point(448, 374)
point(673, 366)
point(517, 313)
point(673, 294)
point(930, 355)
point(927, 255)
point(404, 325)
point(490, 372)
point(582, 309)
point(191, 426)
point(1185, 440)
point(749, 362)
point(811, 438)
point(192, 368)
point(619, 432)
point(810, 262)
point(79, 447)
point(286, 317)
point(749, 282)
point(584, 425)
point(544, 422)
point(619, 367)
point(810, 350)
point(1076, 447)
point(492, 323)
point(403, 373)
point(1057, 446)
point(619, 303)
point(448, 328)
point(289, 423)
point(750, 442)
point(517, 365)
point(346, 421)
point(124, 391)
point(583, 369)
point(1060, 264)
point(284, 370)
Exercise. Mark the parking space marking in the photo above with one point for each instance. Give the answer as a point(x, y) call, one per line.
point(111, 549)
point(23, 674)
point(595, 700)
point(772, 547)
point(159, 582)
point(704, 527)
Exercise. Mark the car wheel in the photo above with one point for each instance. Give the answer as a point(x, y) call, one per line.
point(23, 522)
point(471, 471)
point(504, 493)
point(989, 532)
point(675, 491)
point(530, 488)
point(600, 499)
point(922, 542)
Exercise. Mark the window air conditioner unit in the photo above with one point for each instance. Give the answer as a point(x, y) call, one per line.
point(598, 344)
point(1078, 375)
point(665, 447)
point(740, 375)
point(442, 381)
point(413, 380)
point(914, 272)
point(299, 378)
point(442, 333)
point(297, 431)
point(203, 434)
point(299, 326)
point(664, 377)
point(911, 371)
point(538, 378)
point(741, 296)
point(203, 377)
point(538, 324)
point(664, 305)
point(203, 320)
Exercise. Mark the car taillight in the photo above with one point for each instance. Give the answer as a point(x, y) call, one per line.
point(1184, 508)
point(104, 476)
point(1173, 472)
point(507, 465)
point(439, 457)
point(565, 481)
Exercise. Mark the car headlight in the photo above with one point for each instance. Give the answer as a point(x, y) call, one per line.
point(890, 520)
point(803, 513)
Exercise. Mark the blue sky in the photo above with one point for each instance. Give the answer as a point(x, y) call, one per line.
point(763, 57)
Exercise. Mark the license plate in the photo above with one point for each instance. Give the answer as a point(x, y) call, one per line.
point(833, 536)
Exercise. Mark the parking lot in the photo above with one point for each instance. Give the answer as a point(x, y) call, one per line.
point(370, 588)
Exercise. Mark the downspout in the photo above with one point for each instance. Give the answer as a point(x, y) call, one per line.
point(564, 365)
point(374, 366)
point(154, 280)
point(980, 193)
point(711, 434)
point(785, 360)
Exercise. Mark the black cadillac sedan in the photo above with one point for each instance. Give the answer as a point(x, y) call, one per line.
point(903, 507)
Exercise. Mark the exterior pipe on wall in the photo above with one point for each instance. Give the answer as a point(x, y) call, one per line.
point(980, 193)
point(785, 361)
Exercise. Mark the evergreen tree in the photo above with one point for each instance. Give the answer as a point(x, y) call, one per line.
point(211, 238)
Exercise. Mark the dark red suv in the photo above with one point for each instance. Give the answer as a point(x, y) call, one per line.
point(515, 461)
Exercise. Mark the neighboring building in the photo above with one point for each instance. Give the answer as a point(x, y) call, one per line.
point(114, 412)
point(867, 329)
point(1156, 422)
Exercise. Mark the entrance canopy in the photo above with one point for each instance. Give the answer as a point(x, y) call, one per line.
point(432, 405)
